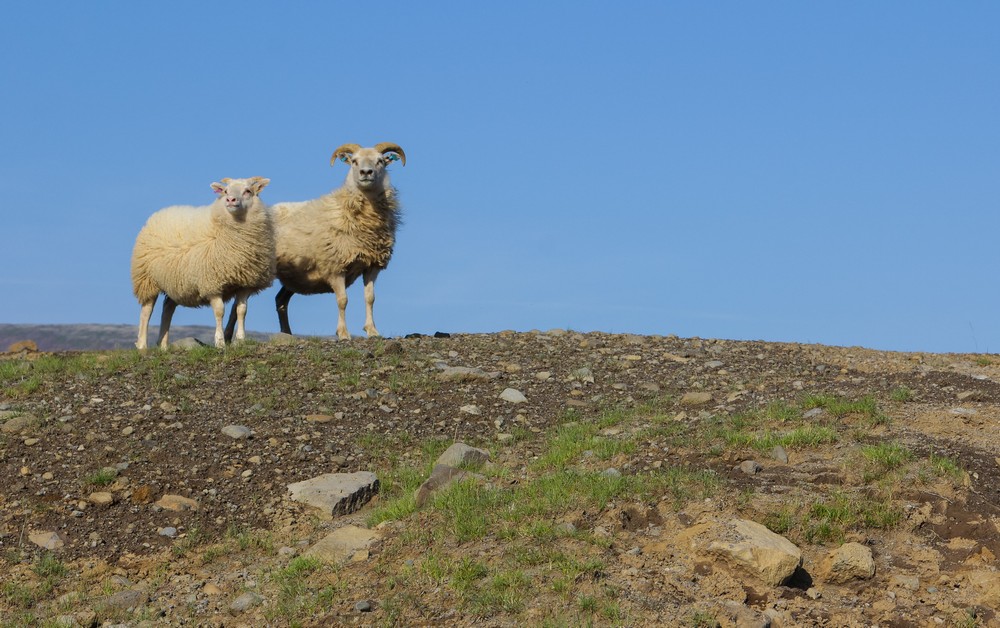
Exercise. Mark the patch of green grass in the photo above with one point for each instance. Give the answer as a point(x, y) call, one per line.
point(48, 566)
point(503, 593)
point(102, 477)
point(944, 466)
point(901, 394)
point(295, 599)
point(882, 458)
point(866, 407)
point(983, 360)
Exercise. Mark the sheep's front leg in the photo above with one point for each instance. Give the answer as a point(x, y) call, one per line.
point(240, 307)
point(219, 308)
point(339, 285)
point(144, 314)
point(169, 305)
point(371, 274)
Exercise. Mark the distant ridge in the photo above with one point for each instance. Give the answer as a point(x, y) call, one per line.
point(91, 337)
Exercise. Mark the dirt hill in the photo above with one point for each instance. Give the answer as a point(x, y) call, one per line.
point(159, 483)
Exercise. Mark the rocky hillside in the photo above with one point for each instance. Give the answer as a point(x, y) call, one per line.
point(600, 480)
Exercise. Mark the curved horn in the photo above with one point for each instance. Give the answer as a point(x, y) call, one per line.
point(385, 147)
point(346, 149)
point(225, 181)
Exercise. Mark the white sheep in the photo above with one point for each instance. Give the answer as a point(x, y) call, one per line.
point(205, 256)
point(323, 245)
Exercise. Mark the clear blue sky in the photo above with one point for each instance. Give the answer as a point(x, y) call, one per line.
point(793, 171)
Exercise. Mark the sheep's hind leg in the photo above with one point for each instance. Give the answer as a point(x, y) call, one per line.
point(339, 285)
point(370, 275)
point(231, 325)
point(169, 305)
point(219, 308)
point(281, 304)
point(144, 314)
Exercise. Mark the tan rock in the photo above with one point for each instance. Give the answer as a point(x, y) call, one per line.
point(342, 544)
point(692, 399)
point(47, 540)
point(749, 545)
point(177, 503)
point(850, 561)
point(101, 498)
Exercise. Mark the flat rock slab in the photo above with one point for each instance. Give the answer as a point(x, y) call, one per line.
point(336, 493)
point(342, 544)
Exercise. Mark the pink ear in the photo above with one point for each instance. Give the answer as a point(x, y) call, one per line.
point(218, 188)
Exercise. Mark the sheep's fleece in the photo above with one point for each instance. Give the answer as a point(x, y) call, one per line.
point(197, 255)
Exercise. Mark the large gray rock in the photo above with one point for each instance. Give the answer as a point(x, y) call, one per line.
point(850, 561)
point(341, 544)
point(18, 424)
point(336, 493)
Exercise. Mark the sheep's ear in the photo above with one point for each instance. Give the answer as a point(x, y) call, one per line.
point(218, 188)
point(392, 156)
point(258, 184)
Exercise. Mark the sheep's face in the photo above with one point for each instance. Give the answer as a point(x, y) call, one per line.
point(367, 167)
point(238, 194)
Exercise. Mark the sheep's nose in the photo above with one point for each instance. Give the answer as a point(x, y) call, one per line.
point(367, 172)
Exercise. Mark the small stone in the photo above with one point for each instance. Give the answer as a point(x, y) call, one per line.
point(47, 475)
point(470, 409)
point(177, 503)
point(751, 467)
point(505, 438)
point(364, 606)
point(814, 593)
point(211, 589)
point(779, 454)
point(319, 418)
point(31, 441)
point(566, 528)
point(812, 414)
point(611, 473)
point(17, 424)
point(336, 493)
point(236, 432)
point(513, 395)
point(168, 407)
point(245, 602)
point(129, 598)
point(128, 431)
point(47, 540)
point(584, 375)
point(543, 375)
point(102, 498)
point(461, 454)
point(696, 399)
point(168, 532)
